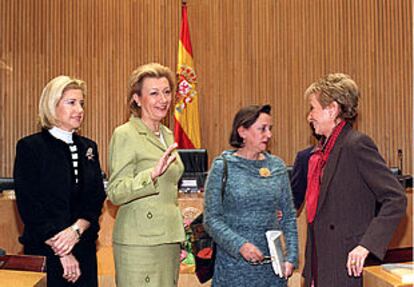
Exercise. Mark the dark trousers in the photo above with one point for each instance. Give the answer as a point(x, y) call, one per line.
point(84, 252)
point(314, 258)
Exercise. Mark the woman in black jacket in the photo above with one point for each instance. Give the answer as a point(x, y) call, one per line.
point(59, 187)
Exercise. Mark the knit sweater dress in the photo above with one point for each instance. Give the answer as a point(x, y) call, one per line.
point(246, 212)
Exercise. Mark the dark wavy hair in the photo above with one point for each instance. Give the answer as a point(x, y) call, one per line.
point(246, 117)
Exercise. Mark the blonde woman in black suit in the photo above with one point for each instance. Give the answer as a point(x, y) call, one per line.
point(59, 187)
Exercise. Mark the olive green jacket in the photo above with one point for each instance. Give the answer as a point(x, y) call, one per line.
point(149, 212)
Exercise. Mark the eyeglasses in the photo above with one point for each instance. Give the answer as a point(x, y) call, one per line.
point(266, 260)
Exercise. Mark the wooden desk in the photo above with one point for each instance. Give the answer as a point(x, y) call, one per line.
point(106, 267)
point(403, 236)
point(11, 225)
point(191, 205)
point(22, 278)
point(376, 276)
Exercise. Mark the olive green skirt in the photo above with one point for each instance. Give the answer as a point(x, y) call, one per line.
point(156, 266)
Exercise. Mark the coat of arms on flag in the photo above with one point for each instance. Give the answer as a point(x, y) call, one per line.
point(186, 92)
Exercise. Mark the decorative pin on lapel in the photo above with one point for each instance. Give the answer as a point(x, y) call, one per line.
point(89, 153)
point(264, 172)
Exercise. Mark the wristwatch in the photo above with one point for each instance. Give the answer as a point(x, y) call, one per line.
point(75, 227)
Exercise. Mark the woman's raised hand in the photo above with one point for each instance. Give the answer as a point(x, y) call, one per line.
point(164, 162)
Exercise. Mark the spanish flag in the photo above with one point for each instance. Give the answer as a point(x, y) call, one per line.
point(186, 115)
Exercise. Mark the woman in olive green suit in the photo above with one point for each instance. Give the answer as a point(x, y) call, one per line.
point(144, 172)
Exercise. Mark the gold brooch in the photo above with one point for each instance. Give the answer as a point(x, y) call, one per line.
point(89, 153)
point(264, 172)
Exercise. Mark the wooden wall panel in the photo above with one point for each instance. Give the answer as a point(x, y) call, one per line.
point(245, 52)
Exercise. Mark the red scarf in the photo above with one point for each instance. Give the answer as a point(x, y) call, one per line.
point(315, 171)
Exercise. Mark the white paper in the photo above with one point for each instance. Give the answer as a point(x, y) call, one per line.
point(276, 251)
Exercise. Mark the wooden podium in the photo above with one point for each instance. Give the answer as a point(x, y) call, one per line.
point(376, 276)
point(22, 278)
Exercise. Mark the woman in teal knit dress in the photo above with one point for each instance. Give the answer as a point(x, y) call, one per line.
point(257, 187)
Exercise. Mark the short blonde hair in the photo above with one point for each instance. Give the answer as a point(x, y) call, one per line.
point(340, 88)
point(51, 95)
point(136, 80)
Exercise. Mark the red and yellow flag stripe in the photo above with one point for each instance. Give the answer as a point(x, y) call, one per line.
point(186, 113)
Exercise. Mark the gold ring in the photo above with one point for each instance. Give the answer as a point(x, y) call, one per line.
point(353, 263)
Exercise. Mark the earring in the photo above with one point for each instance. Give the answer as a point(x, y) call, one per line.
point(243, 142)
point(135, 99)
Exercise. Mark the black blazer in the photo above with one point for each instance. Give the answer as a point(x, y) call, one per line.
point(46, 196)
point(299, 180)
